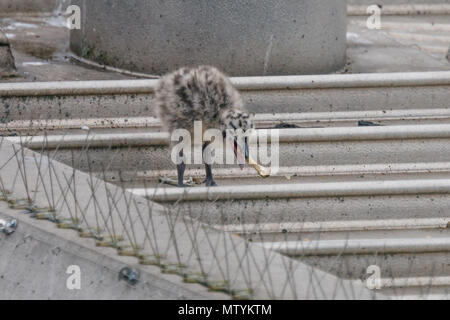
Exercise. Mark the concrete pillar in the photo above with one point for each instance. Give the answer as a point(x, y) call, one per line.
point(244, 38)
point(7, 66)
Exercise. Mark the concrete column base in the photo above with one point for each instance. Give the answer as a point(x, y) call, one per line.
point(7, 66)
point(243, 38)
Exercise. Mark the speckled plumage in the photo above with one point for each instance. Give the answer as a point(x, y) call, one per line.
point(200, 94)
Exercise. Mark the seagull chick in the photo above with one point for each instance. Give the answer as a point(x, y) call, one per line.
point(201, 94)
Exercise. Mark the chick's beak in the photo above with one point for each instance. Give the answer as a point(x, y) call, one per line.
point(243, 156)
point(241, 152)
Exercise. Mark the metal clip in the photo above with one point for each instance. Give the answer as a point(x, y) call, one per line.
point(8, 227)
point(130, 275)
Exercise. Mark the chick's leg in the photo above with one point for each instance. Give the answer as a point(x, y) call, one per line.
point(181, 167)
point(209, 176)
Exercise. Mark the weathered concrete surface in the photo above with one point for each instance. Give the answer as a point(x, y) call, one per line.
point(262, 37)
point(384, 51)
point(28, 6)
point(40, 47)
point(35, 258)
point(363, 92)
point(195, 250)
point(41, 52)
point(7, 65)
point(383, 2)
point(258, 101)
point(149, 151)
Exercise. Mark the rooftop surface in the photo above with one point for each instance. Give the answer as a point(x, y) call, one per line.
point(404, 43)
